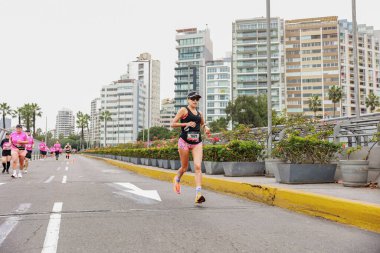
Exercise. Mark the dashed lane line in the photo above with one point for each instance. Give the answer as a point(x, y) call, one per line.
point(52, 232)
point(49, 179)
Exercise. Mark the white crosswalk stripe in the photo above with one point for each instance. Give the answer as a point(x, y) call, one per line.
point(64, 179)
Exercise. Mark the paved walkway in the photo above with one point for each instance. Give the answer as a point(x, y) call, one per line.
point(334, 190)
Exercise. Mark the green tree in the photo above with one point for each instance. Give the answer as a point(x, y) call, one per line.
point(18, 113)
point(82, 123)
point(25, 115)
point(372, 101)
point(105, 116)
point(315, 104)
point(249, 110)
point(36, 112)
point(155, 133)
point(219, 125)
point(5, 110)
point(335, 95)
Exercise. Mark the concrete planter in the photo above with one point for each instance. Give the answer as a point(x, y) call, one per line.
point(160, 163)
point(191, 164)
point(175, 164)
point(243, 169)
point(214, 168)
point(271, 166)
point(119, 157)
point(143, 161)
point(354, 172)
point(135, 160)
point(165, 164)
point(148, 162)
point(306, 173)
point(153, 162)
point(125, 159)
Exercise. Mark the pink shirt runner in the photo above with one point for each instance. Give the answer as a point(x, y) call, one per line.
point(57, 146)
point(52, 150)
point(15, 137)
point(42, 146)
point(6, 145)
point(29, 146)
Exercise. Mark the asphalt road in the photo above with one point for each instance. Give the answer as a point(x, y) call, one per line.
point(100, 208)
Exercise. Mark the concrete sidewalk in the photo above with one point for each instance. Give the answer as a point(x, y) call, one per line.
point(333, 190)
point(359, 207)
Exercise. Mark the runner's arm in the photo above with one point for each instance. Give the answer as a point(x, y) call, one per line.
point(182, 112)
point(204, 126)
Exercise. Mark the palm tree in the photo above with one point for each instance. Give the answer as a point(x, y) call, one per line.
point(18, 113)
point(82, 123)
point(335, 95)
point(105, 116)
point(315, 104)
point(372, 101)
point(36, 109)
point(27, 115)
point(5, 110)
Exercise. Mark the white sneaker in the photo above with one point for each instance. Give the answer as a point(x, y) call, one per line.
point(25, 171)
point(19, 175)
point(14, 175)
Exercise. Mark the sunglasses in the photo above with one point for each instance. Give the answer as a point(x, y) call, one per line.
point(194, 99)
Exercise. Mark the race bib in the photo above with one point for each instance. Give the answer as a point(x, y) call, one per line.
point(29, 146)
point(193, 136)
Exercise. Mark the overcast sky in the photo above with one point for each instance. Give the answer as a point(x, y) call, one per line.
point(58, 53)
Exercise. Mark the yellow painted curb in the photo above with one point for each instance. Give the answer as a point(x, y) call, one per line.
point(359, 214)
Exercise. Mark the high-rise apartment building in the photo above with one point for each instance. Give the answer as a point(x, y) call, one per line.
point(312, 63)
point(368, 65)
point(249, 59)
point(147, 70)
point(194, 48)
point(95, 122)
point(125, 100)
point(167, 112)
point(218, 88)
point(65, 123)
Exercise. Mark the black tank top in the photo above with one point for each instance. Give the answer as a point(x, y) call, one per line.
point(191, 130)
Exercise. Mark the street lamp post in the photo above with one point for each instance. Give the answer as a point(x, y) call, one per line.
point(355, 51)
point(269, 80)
point(118, 119)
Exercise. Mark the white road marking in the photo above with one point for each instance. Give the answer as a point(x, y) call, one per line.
point(111, 171)
point(67, 168)
point(10, 223)
point(58, 168)
point(64, 179)
point(151, 194)
point(2, 183)
point(52, 232)
point(49, 179)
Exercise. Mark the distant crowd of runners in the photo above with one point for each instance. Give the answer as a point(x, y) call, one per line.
point(17, 148)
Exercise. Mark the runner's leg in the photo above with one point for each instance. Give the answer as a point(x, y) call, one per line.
point(14, 155)
point(4, 162)
point(197, 152)
point(184, 152)
point(8, 163)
